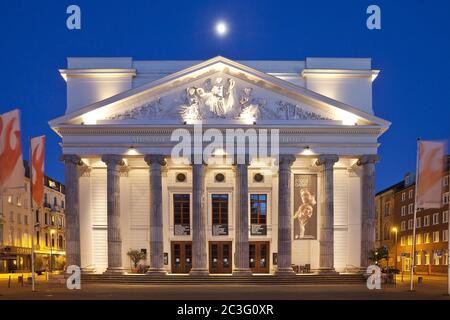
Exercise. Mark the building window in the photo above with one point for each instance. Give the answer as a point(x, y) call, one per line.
point(53, 220)
point(436, 218)
point(37, 237)
point(426, 237)
point(45, 199)
point(55, 201)
point(62, 204)
point(181, 214)
point(410, 224)
point(411, 208)
point(445, 216)
point(25, 219)
point(37, 216)
point(427, 258)
point(445, 258)
point(46, 218)
point(435, 236)
point(446, 180)
point(403, 226)
point(46, 239)
point(403, 196)
point(419, 238)
point(387, 208)
point(19, 218)
point(426, 221)
point(402, 241)
point(418, 222)
point(436, 257)
point(418, 258)
point(219, 214)
point(444, 235)
point(19, 202)
point(445, 198)
point(411, 194)
point(410, 240)
point(10, 199)
point(403, 211)
point(258, 214)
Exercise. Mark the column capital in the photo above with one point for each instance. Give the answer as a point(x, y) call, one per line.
point(155, 158)
point(368, 158)
point(71, 158)
point(327, 160)
point(286, 159)
point(113, 159)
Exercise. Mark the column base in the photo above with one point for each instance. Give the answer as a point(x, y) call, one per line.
point(115, 270)
point(284, 272)
point(327, 271)
point(156, 272)
point(246, 272)
point(87, 270)
point(199, 272)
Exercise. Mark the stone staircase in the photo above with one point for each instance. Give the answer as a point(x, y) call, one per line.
point(225, 279)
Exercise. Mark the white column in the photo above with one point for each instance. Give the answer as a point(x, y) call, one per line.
point(368, 214)
point(326, 259)
point(156, 162)
point(72, 210)
point(241, 255)
point(284, 266)
point(114, 162)
point(199, 245)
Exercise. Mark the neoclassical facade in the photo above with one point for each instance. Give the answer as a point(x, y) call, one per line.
point(306, 203)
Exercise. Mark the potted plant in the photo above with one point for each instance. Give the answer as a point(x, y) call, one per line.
point(136, 256)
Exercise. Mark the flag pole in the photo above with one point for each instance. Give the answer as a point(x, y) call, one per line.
point(30, 166)
point(413, 254)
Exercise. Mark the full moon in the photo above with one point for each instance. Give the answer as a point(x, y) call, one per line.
point(221, 28)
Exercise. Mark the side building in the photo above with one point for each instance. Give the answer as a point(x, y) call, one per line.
point(395, 223)
point(16, 227)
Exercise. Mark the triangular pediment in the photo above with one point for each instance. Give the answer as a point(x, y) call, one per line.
point(219, 90)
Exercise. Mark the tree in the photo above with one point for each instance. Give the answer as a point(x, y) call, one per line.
point(136, 256)
point(379, 254)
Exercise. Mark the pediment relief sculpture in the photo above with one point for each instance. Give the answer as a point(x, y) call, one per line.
point(218, 98)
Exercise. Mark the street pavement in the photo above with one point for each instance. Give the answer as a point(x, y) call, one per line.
point(433, 288)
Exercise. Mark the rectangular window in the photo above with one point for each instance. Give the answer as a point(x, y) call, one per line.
point(403, 196)
point(418, 222)
point(25, 220)
point(411, 208)
point(46, 239)
point(37, 237)
point(418, 259)
point(37, 216)
point(419, 238)
point(426, 221)
point(411, 194)
point(403, 226)
point(427, 258)
point(403, 211)
point(46, 218)
point(409, 240)
point(387, 209)
point(402, 241)
point(19, 202)
point(445, 216)
point(435, 236)
point(436, 218)
point(436, 258)
point(10, 199)
point(181, 214)
point(446, 180)
point(445, 198)
point(426, 237)
point(444, 235)
point(410, 224)
point(258, 214)
point(55, 201)
point(219, 204)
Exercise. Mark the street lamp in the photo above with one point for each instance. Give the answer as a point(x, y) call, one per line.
point(52, 232)
point(395, 230)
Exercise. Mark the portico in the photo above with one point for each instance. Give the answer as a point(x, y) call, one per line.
point(307, 201)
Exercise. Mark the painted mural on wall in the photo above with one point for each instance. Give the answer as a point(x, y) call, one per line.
point(305, 206)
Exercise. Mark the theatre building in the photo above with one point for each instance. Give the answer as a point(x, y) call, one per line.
point(306, 204)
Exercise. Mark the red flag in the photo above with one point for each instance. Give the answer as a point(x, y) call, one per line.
point(11, 164)
point(431, 168)
point(37, 167)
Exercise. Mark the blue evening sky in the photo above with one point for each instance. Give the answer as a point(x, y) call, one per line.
point(412, 50)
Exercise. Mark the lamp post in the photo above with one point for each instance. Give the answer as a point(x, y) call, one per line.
point(395, 230)
point(52, 232)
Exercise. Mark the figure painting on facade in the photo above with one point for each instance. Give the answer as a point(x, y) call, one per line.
point(305, 206)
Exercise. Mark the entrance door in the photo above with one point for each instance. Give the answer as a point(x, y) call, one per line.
point(220, 257)
point(259, 256)
point(181, 256)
